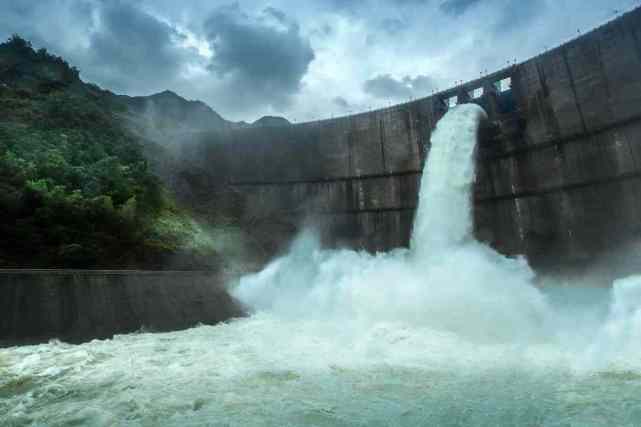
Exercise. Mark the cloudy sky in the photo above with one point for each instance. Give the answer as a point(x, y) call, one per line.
point(303, 59)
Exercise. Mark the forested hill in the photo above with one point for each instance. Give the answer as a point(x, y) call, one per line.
point(75, 188)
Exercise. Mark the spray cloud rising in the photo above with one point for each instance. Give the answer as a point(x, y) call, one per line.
point(446, 282)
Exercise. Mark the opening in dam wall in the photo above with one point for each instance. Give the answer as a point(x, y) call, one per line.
point(558, 167)
point(80, 305)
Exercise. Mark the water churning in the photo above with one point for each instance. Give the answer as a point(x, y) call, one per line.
point(447, 332)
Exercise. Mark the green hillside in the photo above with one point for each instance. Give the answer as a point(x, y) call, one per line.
point(75, 188)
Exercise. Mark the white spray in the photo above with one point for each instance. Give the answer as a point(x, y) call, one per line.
point(446, 281)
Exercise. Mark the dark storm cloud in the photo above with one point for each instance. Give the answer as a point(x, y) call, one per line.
point(385, 86)
point(278, 14)
point(350, 6)
point(134, 49)
point(365, 9)
point(457, 7)
point(511, 13)
point(410, 2)
point(393, 25)
point(516, 14)
point(15, 15)
point(262, 59)
point(420, 84)
point(13, 18)
point(114, 43)
point(341, 102)
point(45, 23)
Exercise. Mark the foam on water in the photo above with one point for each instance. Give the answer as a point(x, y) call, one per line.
point(448, 332)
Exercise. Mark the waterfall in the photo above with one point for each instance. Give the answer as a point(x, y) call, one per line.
point(444, 214)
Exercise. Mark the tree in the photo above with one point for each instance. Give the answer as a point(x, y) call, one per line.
point(19, 43)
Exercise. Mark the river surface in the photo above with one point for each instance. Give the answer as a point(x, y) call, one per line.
point(445, 333)
point(270, 371)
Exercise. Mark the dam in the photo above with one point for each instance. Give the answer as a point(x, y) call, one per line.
point(405, 306)
point(558, 166)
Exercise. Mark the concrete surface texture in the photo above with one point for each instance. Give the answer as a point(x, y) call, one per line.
point(558, 164)
point(80, 305)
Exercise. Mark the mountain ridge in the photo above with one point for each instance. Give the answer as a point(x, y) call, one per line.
point(77, 188)
point(43, 72)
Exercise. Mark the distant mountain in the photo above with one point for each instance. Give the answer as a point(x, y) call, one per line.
point(161, 113)
point(168, 110)
point(271, 121)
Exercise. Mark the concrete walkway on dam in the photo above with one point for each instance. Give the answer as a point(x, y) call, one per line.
point(37, 305)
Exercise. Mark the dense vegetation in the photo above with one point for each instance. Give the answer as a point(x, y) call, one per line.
point(75, 189)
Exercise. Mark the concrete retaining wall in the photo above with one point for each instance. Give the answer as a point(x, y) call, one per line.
point(558, 172)
point(79, 305)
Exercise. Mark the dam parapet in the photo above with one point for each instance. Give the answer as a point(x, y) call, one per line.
point(557, 172)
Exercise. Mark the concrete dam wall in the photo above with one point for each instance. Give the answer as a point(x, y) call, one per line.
point(79, 305)
point(558, 172)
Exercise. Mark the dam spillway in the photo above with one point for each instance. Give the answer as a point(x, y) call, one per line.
point(558, 166)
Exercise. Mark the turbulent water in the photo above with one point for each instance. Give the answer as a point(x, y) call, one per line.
point(446, 333)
